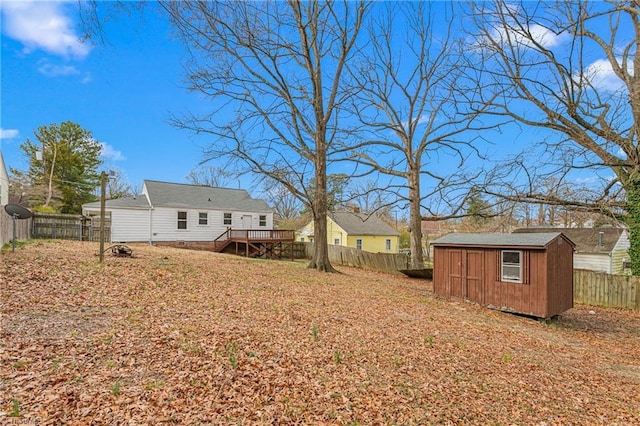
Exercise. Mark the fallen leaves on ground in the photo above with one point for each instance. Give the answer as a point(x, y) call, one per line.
point(193, 337)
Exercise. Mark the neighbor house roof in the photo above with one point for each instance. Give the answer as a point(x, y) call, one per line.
point(587, 240)
point(165, 194)
point(502, 240)
point(362, 224)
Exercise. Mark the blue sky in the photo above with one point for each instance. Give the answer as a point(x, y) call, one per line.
point(123, 90)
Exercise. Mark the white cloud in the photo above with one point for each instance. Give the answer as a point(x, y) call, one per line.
point(537, 33)
point(44, 26)
point(110, 153)
point(51, 70)
point(601, 76)
point(8, 133)
point(424, 118)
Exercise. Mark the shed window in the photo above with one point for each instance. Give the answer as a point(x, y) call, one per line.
point(227, 219)
point(336, 241)
point(359, 243)
point(511, 266)
point(182, 220)
point(387, 244)
point(263, 220)
point(203, 218)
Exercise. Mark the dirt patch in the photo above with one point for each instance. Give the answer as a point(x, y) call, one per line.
point(193, 337)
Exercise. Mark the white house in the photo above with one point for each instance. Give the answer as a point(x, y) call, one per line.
point(4, 182)
point(166, 212)
point(597, 249)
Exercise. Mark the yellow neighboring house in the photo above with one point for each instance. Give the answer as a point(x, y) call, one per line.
point(356, 230)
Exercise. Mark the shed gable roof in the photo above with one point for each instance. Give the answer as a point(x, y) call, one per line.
point(537, 240)
point(179, 195)
point(585, 239)
point(362, 224)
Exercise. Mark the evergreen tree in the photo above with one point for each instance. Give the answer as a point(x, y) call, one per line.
point(63, 167)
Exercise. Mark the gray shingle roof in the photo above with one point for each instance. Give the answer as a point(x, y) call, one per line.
point(165, 194)
point(362, 224)
point(503, 240)
point(137, 202)
point(586, 239)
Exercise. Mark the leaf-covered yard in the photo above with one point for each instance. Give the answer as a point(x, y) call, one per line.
point(190, 337)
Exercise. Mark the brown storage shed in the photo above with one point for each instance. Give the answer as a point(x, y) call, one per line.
point(527, 273)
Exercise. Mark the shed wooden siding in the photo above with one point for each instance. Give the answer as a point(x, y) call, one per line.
point(474, 273)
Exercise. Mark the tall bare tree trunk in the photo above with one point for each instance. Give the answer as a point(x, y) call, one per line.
point(415, 219)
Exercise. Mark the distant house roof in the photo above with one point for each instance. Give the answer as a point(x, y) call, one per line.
point(502, 240)
point(587, 240)
point(178, 195)
point(165, 194)
point(362, 224)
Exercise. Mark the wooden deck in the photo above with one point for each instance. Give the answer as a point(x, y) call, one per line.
point(272, 244)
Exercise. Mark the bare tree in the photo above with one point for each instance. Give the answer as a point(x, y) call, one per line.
point(274, 73)
point(286, 206)
point(417, 113)
point(211, 176)
point(570, 70)
point(370, 197)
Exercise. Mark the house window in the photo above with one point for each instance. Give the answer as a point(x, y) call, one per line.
point(227, 219)
point(203, 218)
point(387, 244)
point(359, 243)
point(511, 266)
point(336, 241)
point(302, 239)
point(263, 220)
point(182, 220)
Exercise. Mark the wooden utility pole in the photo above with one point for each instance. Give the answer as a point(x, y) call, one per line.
point(103, 186)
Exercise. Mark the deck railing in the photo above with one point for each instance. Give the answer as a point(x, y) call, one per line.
point(253, 235)
point(261, 235)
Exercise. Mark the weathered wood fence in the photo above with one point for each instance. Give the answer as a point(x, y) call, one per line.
point(23, 228)
point(68, 227)
point(347, 256)
point(52, 226)
point(602, 289)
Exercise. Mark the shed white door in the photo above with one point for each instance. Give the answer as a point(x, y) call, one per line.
point(247, 221)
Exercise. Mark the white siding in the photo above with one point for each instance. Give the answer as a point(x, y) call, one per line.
point(4, 183)
point(128, 225)
point(620, 253)
point(593, 262)
point(165, 224)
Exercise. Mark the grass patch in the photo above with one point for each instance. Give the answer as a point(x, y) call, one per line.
point(115, 388)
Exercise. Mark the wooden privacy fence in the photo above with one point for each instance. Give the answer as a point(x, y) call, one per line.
point(347, 256)
point(23, 228)
point(68, 227)
point(602, 289)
